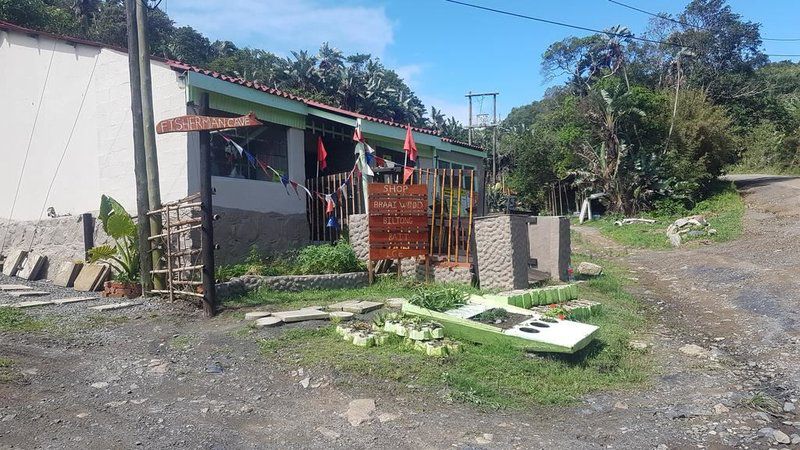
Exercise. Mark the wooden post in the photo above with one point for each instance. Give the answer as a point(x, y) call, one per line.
point(169, 280)
point(88, 233)
point(139, 162)
point(206, 216)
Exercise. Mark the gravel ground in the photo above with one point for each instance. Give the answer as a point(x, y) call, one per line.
point(159, 375)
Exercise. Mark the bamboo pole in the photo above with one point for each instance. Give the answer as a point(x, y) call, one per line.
point(458, 220)
point(441, 212)
point(433, 213)
point(471, 208)
point(169, 258)
point(450, 217)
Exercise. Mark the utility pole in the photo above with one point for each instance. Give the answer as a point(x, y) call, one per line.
point(492, 125)
point(139, 159)
point(151, 157)
point(206, 217)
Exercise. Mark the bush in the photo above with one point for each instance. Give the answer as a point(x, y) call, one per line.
point(326, 258)
point(438, 299)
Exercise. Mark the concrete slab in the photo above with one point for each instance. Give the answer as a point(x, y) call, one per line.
point(31, 267)
point(28, 293)
point(268, 322)
point(343, 315)
point(355, 306)
point(67, 273)
point(88, 277)
point(12, 262)
point(105, 275)
point(253, 315)
point(396, 302)
point(66, 301)
point(14, 287)
point(31, 304)
point(300, 315)
point(113, 306)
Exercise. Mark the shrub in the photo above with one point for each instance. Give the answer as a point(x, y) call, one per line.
point(438, 299)
point(319, 259)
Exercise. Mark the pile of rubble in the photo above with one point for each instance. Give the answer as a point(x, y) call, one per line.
point(692, 226)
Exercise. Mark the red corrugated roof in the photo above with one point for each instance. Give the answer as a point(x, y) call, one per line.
point(179, 65)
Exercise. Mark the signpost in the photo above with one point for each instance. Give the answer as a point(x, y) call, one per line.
point(398, 223)
point(205, 123)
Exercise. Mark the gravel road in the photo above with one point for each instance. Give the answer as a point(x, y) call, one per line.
point(160, 376)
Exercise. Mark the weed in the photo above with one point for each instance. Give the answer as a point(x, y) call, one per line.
point(762, 402)
point(438, 299)
point(7, 373)
point(181, 342)
point(12, 319)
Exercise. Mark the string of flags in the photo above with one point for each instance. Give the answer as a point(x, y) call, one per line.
point(365, 159)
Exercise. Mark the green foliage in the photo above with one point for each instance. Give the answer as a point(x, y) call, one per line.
point(326, 258)
point(439, 299)
point(13, 319)
point(123, 256)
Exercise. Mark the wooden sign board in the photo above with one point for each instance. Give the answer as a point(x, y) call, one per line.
point(184, 124)
point(398, 221)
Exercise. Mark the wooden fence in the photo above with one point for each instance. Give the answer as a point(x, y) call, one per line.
point(452, 199)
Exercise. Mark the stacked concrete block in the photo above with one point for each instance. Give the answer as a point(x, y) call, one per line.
point(358, 231)
point(502, 251)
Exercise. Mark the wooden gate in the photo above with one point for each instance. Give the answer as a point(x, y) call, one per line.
point(181, 246)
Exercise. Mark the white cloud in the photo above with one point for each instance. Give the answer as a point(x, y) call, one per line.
point(409, 73)
point(282, 25)
point(457, 109)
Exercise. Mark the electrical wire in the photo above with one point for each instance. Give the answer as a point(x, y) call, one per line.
point(662, 16)
point(64, 153)
point(28, 148)
point(563, 24)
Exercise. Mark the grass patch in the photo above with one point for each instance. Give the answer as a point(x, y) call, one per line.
point(7, 373)
point(723, 210)
point(12, 319)
point(180, 343)
point(491, 376)
point(382, 289)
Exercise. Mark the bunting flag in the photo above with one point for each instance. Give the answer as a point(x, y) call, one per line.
point(322, 154)
point(357, 136)
point(332, 222)
point(407, 173)
point(294, 186)
point(369, 157)
point(250, 158)
point(331, 205)
point(285, 182)
point(409, 146)
point(233, 143)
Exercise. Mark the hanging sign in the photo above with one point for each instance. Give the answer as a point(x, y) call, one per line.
point(183, 124)
point(398, 221)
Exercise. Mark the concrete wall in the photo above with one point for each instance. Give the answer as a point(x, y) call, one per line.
point(237, 230)
point(98, 157)
point(550, 245)
point(502, 251)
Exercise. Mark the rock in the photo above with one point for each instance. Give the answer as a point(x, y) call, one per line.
point(328, 433)
point(304, 382)
point(762, 416)
point(214, 367)
point(693, 350)
point(387, 417)
point(253, 315)
point(620, 405)
point(341, 315)
point(788, 407)
point(766, 432)
point(396, 302)
point(484, 439)
point(696, 233)
point(795, 439)
point(781, 437)
point(638, 345)
point(674, 239)
point(591, 269)
point(719, 408)
point(100, 385)
point(360, 411)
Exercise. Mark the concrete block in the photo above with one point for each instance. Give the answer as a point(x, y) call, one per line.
point(31, 267)
point(88, 277)
point(300, 315)
point(355, 306)
point(67, 273)
point(13, 261)
point(31, 304)
point(14, 287)
point(343, 315)
point(253, 315)
point(28, 293)
point(591, 269)
point(114, 306)
point(268, 322)
point(502, 251)
point(66, 301)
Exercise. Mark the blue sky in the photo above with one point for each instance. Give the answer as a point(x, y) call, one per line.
point(444, 50)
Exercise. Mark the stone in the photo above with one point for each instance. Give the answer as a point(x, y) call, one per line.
point(591, 269)
point(360, 411)
point(268, 321)
point(355, 306)
point(14, 287)
point(781, 437)
point(114, 306)
point(342, 315)
point(300, 315)
point(32, 304)
point(68, 300)
point(28, 293)
point(766, 432)
point(620, 405)
point(304, 382)
point(395, 302)
point(13, 261)
point(253, 315)
point(328, 433)
point(214, 367)
point(100, 385)
point(674, 239)
point(31, 267)
point(762, 416)
point(788, 407)
point(693, 350)
point(795, 439)
point(719, 408)
point(387, 417)
point(484, 439)
point(638, 345)
point(67, 273)
point(88, 277)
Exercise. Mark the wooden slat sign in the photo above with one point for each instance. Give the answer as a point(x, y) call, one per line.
point(184, 124)
point(398, 221)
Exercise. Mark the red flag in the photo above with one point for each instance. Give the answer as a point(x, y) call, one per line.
point(322, 155)
point(409, 146)
point(331, 206)
point(357, 134)
point(407, 173)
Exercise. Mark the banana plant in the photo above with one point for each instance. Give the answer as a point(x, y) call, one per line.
point(123, 255)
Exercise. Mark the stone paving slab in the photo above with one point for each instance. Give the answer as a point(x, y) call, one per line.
point(14, 287)
point(31, 304)
point(113, 306)
point(355, 306)
point(268, 322)
point(253, 315)
point(67, 273)
point(66, 301)
point(31, 267)
point(300, 315)
point(28, 293)
point(14, 259)
point(343, 315)
point(88, 277)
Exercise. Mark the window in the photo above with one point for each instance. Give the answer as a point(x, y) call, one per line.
point(267, 143)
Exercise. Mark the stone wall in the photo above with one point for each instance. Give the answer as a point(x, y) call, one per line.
point(550, 245)
point(502, 251)
point(59, 239)
point(237, 230)
point(294, 283)
point(358, 230)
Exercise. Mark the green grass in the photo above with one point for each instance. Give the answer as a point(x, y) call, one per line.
point(7, 373)
point(12, 319)
point(723, 210)
point(491, 376)
point(382, 289)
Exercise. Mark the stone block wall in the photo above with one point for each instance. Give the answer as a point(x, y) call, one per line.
point(358, 230)
point(502, 251)
point(294, 283)
point(59, 239)
point(237, 230)
point(550, 245)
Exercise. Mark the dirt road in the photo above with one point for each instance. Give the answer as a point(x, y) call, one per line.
point(726, 337)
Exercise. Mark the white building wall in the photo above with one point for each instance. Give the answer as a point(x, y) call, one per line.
point(99, 156)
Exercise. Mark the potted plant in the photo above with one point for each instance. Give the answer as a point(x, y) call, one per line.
point(123, 255)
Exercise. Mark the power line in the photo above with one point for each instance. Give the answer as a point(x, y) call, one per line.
point(665, 17)
point(562, 24)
